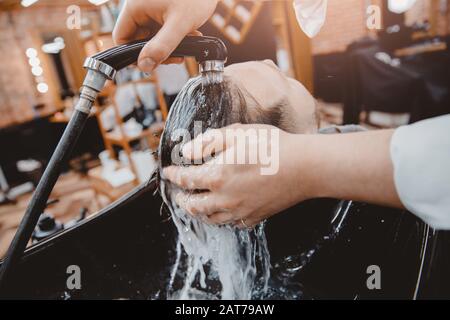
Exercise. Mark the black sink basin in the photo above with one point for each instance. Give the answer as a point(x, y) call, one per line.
point(126, 251)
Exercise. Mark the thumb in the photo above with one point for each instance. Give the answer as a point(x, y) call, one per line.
point(163, 44)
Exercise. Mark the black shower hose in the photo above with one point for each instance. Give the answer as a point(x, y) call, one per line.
point(39, 199)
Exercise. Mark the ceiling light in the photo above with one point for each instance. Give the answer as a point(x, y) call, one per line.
point(37, 71)
point(31, 53)
point(98, 2)
point(400, 6)
point(42, 87)
point(34, 62)
point(27, 3)
point(54, 47)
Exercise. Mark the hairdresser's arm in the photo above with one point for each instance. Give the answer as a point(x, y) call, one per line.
point(176, 18)
point(353, 166)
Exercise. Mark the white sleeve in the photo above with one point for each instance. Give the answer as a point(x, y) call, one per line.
point(421, 157)
point(311, 15)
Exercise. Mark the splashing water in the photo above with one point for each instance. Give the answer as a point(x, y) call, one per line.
point(222, 262)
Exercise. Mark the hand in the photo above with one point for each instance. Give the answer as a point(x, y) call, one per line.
point(353, 166)
point(241, 194)
point(176, 18)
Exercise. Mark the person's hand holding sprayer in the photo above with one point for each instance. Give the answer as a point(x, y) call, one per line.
point(176, 20)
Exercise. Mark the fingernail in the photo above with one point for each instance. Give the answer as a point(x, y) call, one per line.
point(146, 64)
point(187, 150)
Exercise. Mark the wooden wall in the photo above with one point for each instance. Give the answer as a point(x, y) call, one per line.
point(19, 30)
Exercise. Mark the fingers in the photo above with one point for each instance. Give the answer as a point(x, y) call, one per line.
point(197, 204)
point(195, 33)
point(126, 27)
point(211, 142)
point(245, 224)
point(173, 60)
point(193, 177)
point(205, 145)
point(207, 205)
point(179, 60)
point(120, 38)
point(221, 218)
point(164, 43)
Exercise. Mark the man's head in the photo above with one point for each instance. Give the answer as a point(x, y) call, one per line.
point(266, 89)
point(252, 92)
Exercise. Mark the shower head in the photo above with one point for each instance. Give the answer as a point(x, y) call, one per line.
point(209, 52)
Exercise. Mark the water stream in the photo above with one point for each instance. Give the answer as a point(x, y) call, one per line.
point(217, 262)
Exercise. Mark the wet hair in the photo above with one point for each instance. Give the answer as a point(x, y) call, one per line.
point(214, 106)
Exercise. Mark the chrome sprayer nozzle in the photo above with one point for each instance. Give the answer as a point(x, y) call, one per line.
point(203, 49)
point(97, 65)
point(212, 65)
point(211, 54)
point(212, 71)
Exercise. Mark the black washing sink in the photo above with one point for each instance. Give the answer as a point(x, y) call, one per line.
point(126, 251)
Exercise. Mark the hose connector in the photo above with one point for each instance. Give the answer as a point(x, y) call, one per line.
point(97, 65)
point(98, 73)
point(212, 71)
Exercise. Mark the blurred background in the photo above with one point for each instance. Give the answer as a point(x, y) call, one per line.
point(378, 63)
